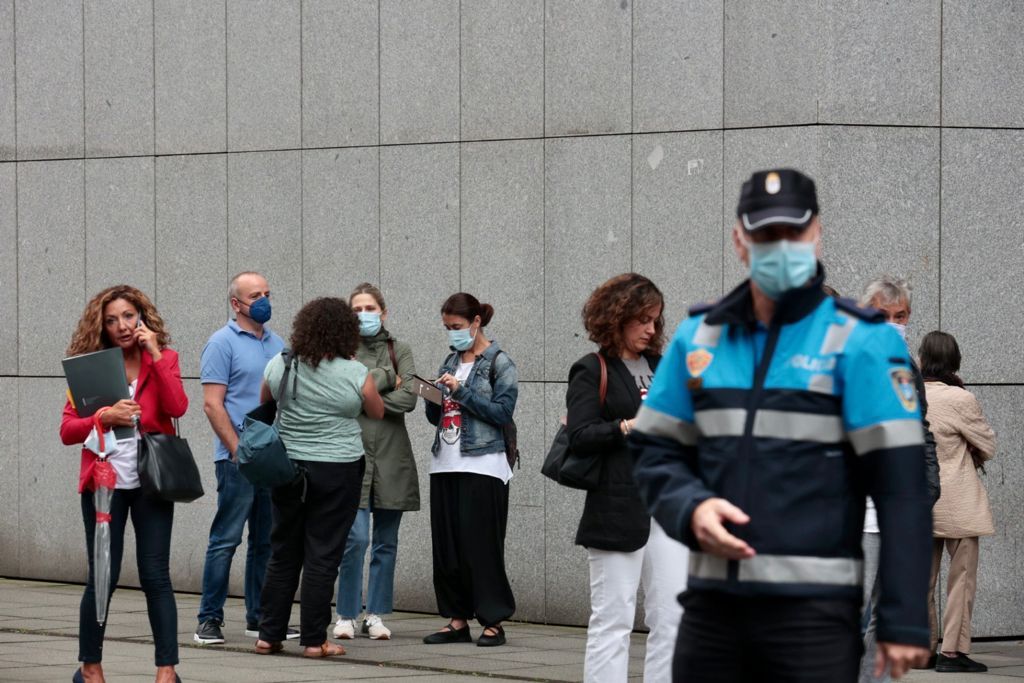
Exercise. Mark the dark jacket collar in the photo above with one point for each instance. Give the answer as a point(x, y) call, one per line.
point(737, 307)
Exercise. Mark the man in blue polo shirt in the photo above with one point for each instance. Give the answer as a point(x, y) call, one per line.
point(231, 370)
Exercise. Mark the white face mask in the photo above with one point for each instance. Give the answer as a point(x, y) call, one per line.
point(900, 329)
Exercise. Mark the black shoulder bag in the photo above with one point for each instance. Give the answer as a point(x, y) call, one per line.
point(566, 467)
point(167, 469)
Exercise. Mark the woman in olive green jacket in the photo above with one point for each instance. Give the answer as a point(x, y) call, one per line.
point(390, 485)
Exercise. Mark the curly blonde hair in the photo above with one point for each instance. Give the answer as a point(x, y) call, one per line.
point(615, 303)
point(90, 335)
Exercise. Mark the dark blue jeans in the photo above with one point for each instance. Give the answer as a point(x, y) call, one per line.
point(152, 520)
point(238, 502)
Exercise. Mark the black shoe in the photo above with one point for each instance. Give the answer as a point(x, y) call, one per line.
point(959, 664)
point(253, 631)
point(209, 633)
point(79, 677)
point(491, 641)
point(930, 664)
point(449, 635)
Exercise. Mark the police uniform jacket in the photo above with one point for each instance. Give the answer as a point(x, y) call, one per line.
point(794, 424)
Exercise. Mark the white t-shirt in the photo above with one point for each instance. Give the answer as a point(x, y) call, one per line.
point(449, 456)
point(125, 458)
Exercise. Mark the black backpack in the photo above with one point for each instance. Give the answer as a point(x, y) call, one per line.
point(508, 431)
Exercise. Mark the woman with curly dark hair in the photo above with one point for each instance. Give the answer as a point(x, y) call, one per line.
point(625, 547)
point(327, 390)
point(124, 317)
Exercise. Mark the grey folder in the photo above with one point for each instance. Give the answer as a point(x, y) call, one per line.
point(97, 379)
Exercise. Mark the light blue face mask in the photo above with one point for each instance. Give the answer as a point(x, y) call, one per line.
point(369, 323)
point(777, 267)
point(461, 340)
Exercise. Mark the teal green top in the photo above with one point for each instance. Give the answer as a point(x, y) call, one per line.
point(319, 422)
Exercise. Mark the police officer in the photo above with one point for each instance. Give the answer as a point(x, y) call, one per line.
point(772, 414)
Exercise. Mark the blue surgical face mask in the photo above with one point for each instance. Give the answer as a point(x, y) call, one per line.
point(369, 323)
point(777, 267)
point(259, 310)
point(461, 340)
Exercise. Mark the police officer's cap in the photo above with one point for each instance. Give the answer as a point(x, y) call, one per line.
point(781, 196)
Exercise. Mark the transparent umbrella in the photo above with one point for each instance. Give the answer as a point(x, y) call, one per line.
point(104, 481)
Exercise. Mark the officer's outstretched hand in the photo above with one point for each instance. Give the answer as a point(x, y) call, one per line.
point(708, 524)
point(899, 658)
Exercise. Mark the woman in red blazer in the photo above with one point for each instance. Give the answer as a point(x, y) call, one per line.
point(124, 317)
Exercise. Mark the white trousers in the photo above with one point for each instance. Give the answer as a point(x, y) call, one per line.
point(661, 567)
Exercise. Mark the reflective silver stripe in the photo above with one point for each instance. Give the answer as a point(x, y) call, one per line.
point(776, 219)
point(707, 335)
point(837, 335)
point(704, 566)
point(655, 423)
point(889, 434)
point(836, 571)
point(775, 424)
point(822, 384)
point(721, 421)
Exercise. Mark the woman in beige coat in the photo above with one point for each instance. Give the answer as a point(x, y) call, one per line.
point(964, 441)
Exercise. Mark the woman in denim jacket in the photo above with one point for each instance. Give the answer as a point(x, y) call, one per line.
point(469, 477)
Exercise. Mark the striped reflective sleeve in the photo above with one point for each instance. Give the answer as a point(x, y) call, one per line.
point(888, 434)
point(835, 571)
point(704, 566)
point(777, 424)
point(655, 423)
point(721, 421)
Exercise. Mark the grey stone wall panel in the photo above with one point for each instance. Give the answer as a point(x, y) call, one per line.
point(880, 62)
point(340, 220)
point(191, 251)
point(118, 78)
point(51, 262)
point(414, 573)
point(587, 50)
point(119, 220)
point(677, 201)
point(879, 192)
point(999, 606)
point(771, 62)
point(265, 226)
point(8, 148)
point(48, 489)
point(677, 64)
point(340, 77)
point(191, 77)
point(982, 257)
point(502, 69)
point(419, 71)
point(587, 237)
point(10, 481)
point(8, 271)
point(527, 487)
point(419, 224)
point(502, 236)
point(525, 562)
point(264, 74)
point(982, 63)
point(49, 97)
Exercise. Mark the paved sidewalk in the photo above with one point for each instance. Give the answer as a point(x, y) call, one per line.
point(39, 626)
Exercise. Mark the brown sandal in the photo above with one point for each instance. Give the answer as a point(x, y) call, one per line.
point(326, 649)
point(268, 649)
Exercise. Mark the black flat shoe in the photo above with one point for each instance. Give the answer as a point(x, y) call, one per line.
point(78, 677)
point(449, 635)
point(492, 641)
point(959, 664)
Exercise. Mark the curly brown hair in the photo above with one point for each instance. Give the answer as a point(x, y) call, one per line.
point(614, 304)
point(325, 329)
point(90, 334)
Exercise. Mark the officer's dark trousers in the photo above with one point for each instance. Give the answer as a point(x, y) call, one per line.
point(728, 638)
point(468, 516)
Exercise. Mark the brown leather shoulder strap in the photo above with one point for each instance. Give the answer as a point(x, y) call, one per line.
point(391, 352)
point(602, 391)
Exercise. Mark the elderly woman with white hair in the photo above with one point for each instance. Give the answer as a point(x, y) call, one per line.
point(891, 296)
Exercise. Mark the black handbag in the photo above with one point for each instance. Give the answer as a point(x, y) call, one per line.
point(568, 468)
point(167, 469)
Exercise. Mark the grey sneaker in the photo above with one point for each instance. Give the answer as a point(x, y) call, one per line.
point(209, 633)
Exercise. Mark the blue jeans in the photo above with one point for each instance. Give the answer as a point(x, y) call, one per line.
point(237, 502)
point(381, 586)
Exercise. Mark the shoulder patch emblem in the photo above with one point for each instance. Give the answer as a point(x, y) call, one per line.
point(903, 385)
point(698, 361)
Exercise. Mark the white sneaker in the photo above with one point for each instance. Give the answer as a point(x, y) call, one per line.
point(345, 629)
point(376, 628)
